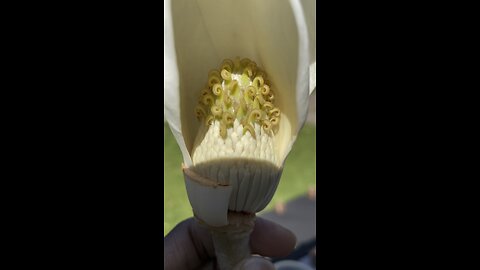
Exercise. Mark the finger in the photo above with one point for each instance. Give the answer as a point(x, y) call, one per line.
point(190, 240)
point(270, 239)
point(255, 263)
point(187, 246)
point(267, 239)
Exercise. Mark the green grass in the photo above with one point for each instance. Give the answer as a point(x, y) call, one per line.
point(298, 175)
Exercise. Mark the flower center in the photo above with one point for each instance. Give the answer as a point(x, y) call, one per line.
point(239, 114)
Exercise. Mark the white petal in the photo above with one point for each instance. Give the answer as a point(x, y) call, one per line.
point(303, 68)
point(195, 57)
point(309, 12)
point(310, 15)
point(209, 203)
point(170, 84)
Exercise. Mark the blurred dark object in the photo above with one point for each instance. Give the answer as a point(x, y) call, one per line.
point(299, 216)
point(300, 252)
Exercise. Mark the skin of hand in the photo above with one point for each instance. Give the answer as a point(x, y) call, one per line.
point(189, 246)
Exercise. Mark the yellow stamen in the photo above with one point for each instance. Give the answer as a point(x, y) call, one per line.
point(226, 75)
point(216, 110)
point(209, 120)
point(217, 89)
point(249, 128)
point(214, 78)
point(258, 81)
point(239, 90)
point(208, 100)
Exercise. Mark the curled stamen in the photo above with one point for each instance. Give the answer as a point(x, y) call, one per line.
point(205, 92)
point(228, 65)
point(274, 121)
point(261, 74)
point(267, 125)
point(226, 75)
point(236, 64)
point(228, 118)
point(253, 66)
point(213, 78)
point(212, 81)
point(200, 112)
point(249, 128)
point(240, 91)
point(217, 89)
point(258, 81)
point(275, 112)
point(216, 110)
point(255, 115)
point(248, 71)
point(265, 89)
point(245, 61)
point(268, 106)
point(214, 73)
point(208, 100)
point(209, 120)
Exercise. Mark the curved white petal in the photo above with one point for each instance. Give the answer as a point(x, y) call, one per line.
point(309, 12)
point(273, 33)
point(303, 69)
point(210, 204)
point(170, 84)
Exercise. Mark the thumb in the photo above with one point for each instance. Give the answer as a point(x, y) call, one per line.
point(254, 263)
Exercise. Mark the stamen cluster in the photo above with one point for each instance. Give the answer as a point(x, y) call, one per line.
point(238, 90)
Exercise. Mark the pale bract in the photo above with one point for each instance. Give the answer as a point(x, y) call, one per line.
point(279, 36)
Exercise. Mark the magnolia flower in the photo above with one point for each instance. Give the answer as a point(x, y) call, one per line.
point(237, 77)
point(278, 39)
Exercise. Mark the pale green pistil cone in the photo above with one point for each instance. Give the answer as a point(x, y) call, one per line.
point(240, 119)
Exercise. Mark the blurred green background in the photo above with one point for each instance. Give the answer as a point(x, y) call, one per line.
point(298, 176)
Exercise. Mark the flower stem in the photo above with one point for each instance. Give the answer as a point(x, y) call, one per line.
point(232, 242)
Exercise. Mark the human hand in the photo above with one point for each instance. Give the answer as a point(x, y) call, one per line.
point(189, 246)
